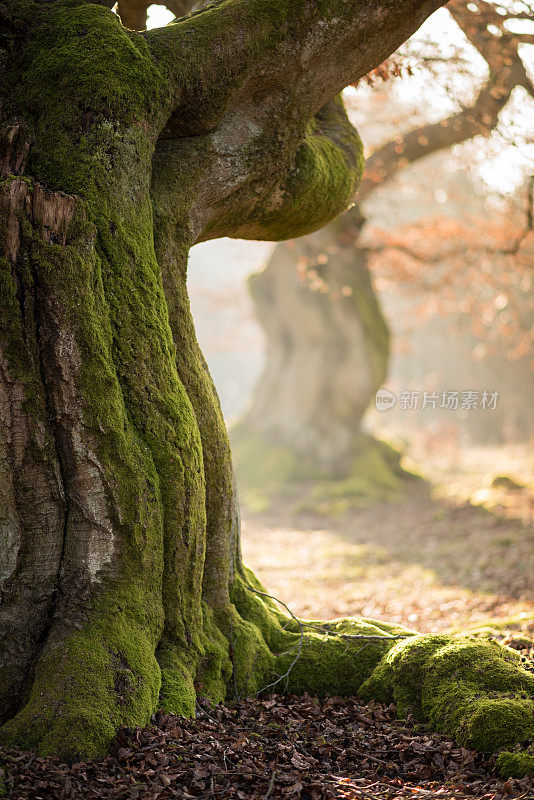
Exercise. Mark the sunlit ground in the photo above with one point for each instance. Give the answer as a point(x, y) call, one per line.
point(435, 560)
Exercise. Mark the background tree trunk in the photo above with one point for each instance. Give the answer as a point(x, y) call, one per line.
point(327, 342)
point(327, 345)
point(327, 354)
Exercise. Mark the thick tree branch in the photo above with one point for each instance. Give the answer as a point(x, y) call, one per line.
point(524, 15)
point(261, 181)
point(252, 89)
point(234, 50)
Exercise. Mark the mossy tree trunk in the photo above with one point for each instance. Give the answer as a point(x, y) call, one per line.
point(122, 585)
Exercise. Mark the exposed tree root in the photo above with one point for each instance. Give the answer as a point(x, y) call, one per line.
point(476, 691)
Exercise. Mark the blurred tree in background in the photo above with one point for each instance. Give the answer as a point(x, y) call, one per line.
point(327, 342)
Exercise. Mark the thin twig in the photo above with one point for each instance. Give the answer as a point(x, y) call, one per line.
point(232, 660)
point(203, 711)
point(299, 650)
point(323, 628)
point(369, 638)
point(271, 783)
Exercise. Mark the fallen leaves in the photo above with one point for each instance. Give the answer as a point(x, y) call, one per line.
point(280, 748)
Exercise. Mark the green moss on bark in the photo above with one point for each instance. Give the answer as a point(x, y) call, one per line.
point(86, 687)
point(324, 168)
point(98, 669)
point(132, 631)
point(321, 662)
point(474, 691)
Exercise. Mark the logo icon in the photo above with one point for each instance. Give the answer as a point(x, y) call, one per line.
point(385, 400)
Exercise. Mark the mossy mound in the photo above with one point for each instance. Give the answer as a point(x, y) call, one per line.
point(469, 688)
point(314, 656)
point(267, 471)
point(522, 622)
point(515, 764)
point(264, 470)
point(375, 474)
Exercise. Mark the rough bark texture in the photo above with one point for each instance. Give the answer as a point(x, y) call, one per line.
point(122, 586)
point(326, 352)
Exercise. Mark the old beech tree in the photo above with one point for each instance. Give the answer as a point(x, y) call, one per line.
point(122, 584)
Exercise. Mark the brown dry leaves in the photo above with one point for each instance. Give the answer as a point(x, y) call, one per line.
point(277, 748)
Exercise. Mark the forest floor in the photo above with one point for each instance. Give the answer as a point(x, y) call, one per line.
point(278, 748)
point(452, 553)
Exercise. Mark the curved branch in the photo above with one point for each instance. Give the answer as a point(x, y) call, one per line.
point(526, 15)
point(506, 71)
point(234, 50)
point(310, 191)
point(260, 181)
point(251, 101)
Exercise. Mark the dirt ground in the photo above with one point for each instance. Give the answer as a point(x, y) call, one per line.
point(455, 552)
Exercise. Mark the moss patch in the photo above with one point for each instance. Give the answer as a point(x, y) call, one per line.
point(266, 471)
point(515, 764)
point(473, 690)
point(322, 659)
point(97, 679)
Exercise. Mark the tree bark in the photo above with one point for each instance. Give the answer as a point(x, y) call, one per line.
point(122, 585)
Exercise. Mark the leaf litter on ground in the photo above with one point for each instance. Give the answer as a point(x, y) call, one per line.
point(279, 748)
